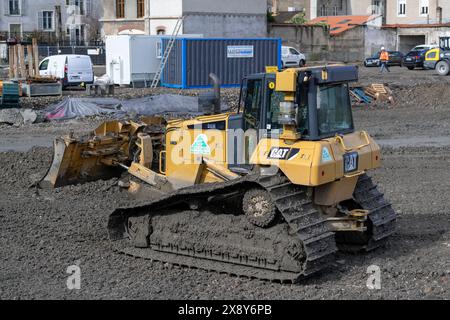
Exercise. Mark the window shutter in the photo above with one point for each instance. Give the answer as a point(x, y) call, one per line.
point(6, 7)
point(22, 7)
point(41, 20)
point(72, 36)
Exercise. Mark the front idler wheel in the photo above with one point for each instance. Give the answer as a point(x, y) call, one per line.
point(259, 208)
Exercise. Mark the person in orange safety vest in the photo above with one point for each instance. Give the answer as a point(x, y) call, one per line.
point(384, 60)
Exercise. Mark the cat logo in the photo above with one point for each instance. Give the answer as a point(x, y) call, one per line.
point(283, 153)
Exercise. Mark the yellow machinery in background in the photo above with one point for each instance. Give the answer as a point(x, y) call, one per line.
point(439, 58)
point(270, 191)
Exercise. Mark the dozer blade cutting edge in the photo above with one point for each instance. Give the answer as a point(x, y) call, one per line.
point(73, 163)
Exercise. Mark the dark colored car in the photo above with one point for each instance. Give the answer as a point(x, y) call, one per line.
point(414, 59)
point(395, 59)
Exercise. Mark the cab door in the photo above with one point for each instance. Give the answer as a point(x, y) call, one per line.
point(432, 57)
point(243, 128)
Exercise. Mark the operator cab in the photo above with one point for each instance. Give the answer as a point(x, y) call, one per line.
point(322, 106)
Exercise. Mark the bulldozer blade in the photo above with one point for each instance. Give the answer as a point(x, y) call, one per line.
point(70, 165)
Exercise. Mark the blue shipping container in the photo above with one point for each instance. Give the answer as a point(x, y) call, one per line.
point(193, 59)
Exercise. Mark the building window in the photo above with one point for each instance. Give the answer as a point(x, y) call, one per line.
point(15, 31)
point(46, 20)
point(323, 10)
point(424, 7)
point(401, 8)
point(161, 30)
point(376, 7)
point(80, 5)
point(120, 8)
point(140, 8)
point(335, 11)
point(14, 7)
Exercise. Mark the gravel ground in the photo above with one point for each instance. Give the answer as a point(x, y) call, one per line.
point(42, 232)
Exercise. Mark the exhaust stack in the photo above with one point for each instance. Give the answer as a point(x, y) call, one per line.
point(209, 101)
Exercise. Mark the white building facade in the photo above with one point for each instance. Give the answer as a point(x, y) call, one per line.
point(65, 21)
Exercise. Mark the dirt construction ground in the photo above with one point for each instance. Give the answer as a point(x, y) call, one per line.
point(42, 232)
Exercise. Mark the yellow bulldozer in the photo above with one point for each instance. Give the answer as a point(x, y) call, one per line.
point(271, 191)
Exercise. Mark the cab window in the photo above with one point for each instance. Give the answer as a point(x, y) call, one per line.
point(294, 52)
point(252, 103)
point(302, 116)
point(334, 109)
point(431, 55)
point(303, 111)
point(273, 110)
point(44, 65)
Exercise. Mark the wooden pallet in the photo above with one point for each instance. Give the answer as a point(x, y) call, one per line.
point(379, 88)
point(379, 92)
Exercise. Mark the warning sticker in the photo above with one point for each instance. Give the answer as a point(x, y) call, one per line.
point(200, 145)
point(326, 156)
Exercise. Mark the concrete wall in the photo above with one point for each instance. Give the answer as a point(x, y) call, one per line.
point(226, 25)
point(255, 7)
point(375, 38)
point(313, 41)
point(348, 46)
point(353, 45)
point(231, 18)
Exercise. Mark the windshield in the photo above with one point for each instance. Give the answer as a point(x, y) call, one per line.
point(334, 110)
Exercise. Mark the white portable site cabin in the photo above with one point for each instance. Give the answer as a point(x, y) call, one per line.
point(133, 59)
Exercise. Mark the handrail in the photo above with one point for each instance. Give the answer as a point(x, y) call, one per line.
point(341, 141)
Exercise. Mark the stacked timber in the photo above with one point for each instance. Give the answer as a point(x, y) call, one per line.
point(24, 64)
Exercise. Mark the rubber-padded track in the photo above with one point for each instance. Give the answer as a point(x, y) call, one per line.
point(313, 248)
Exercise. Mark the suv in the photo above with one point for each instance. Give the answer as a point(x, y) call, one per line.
point(395, 59)
point(290, 57)
point(416, 57)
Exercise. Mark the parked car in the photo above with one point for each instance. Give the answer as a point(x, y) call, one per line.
point(70, 69)
point(395, 59)
point(414, 59)
point(291, 57)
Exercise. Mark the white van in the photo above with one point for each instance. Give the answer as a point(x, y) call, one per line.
point(291, 57)
point(71, 69)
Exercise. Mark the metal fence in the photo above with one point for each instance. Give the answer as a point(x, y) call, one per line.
point(97, 53)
